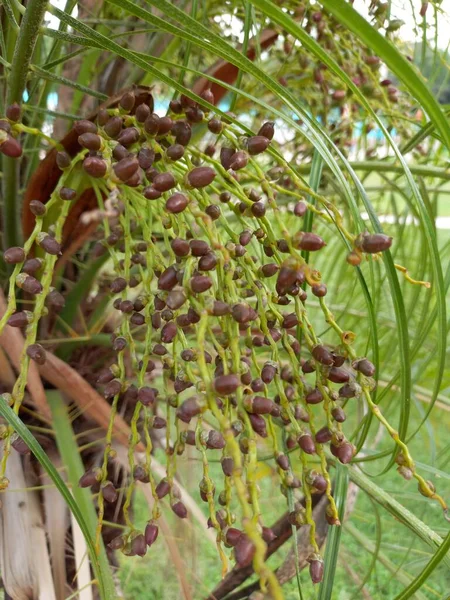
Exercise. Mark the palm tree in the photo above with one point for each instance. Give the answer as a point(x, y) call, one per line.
point(224, 294)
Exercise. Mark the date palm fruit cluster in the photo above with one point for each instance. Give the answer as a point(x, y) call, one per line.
point(213, 343)
point(328, 98)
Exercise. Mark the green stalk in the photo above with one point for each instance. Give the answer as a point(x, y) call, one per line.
point(37, 117)
point(23, 51)
point(29, 30)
